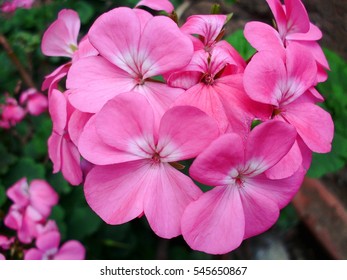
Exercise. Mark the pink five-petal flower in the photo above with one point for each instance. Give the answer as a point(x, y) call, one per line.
point(60, 39)
point(144, 180)
point(270, 80)
point(133, 49)
point(11, 112)
point(48, 248)
point(162, 5)
point(244, 202)
point(294, 27)
point(62, 151)
point(36, 102)
point(214, 84)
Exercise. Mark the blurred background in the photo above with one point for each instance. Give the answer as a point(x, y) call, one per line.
point(313, 226)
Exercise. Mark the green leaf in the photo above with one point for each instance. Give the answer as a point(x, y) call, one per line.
point(2, 196)
point(82, 222)
point(331, 162)
point(6, 159)
point(239, 42)
point(25, 167)
point(58, 182)
point(58, 215)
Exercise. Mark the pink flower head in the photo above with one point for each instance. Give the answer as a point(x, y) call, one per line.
point(270, 80)
point(61, 149)
point(60, 39)
point(135, 159)
point(244, 202)
point(2, 257)
point(214, 84)
point(10, 6)
point(39, 194)
point(294, 27)
point(36, 102)
point(48, 248)
point(209, 28)
point(133, 48)
point(157, 5)
point(11, 113)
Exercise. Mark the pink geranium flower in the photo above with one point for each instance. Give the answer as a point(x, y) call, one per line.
point(36, 103)
point(2, 257)
point(282, 84)
point(294, 27)
point(134, 48)
point(244, 202)
point(11, 113)
point(10, 6)
point(142, 178)
point(48, 248)
point(61, 149)
point(214, 84)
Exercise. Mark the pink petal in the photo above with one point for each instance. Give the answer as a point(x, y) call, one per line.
point(49, 240)
point(263, 76)
point(207, 26)
point(314, 34)
point(2, 257)
point(116, 36)
point(85, 49)
point(71, 250)
point(263, 37)
point(152, 58)
point(184, 132)
point(33, 254)
point(53, 79)
point(184, 79)
point(57, 110)
point(19, 193)
point(297, 17)
point(260, 211)
point(42, 196)
point(100, 82)
point(168, 193)
point(279, 14)
point(54, 150)
point(116, 192)
point(127, 123)
point(288, 165)
point(213, 165)
point(60, 39)
point(70, 165)
point(96, 151)
point(265, 149)
point(215, 223)
point(206, 99)
point(37, 104)
point(163, 5)
point(280, 191)
point(76, 124)
point(312, 123)
point(301, 73)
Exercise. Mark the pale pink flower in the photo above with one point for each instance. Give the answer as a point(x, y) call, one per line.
point(2, 257)
point(157, 5)
point(142, 179)
point(282, 84)
point(39, 194)
point(36, 103)
point(60, 39)
point(294, 27)
point(11, 113)
point(133, 48)
point(48, 248)
point(244, 202)
point(61, 149)
point(214, 84)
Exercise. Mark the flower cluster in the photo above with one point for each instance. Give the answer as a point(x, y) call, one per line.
point(144, 97)
point(29, 217)
point(9, 6)
point(31, 101)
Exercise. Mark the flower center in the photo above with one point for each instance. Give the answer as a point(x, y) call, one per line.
point(139, 80)
point(208, 79)
point(156, 158)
